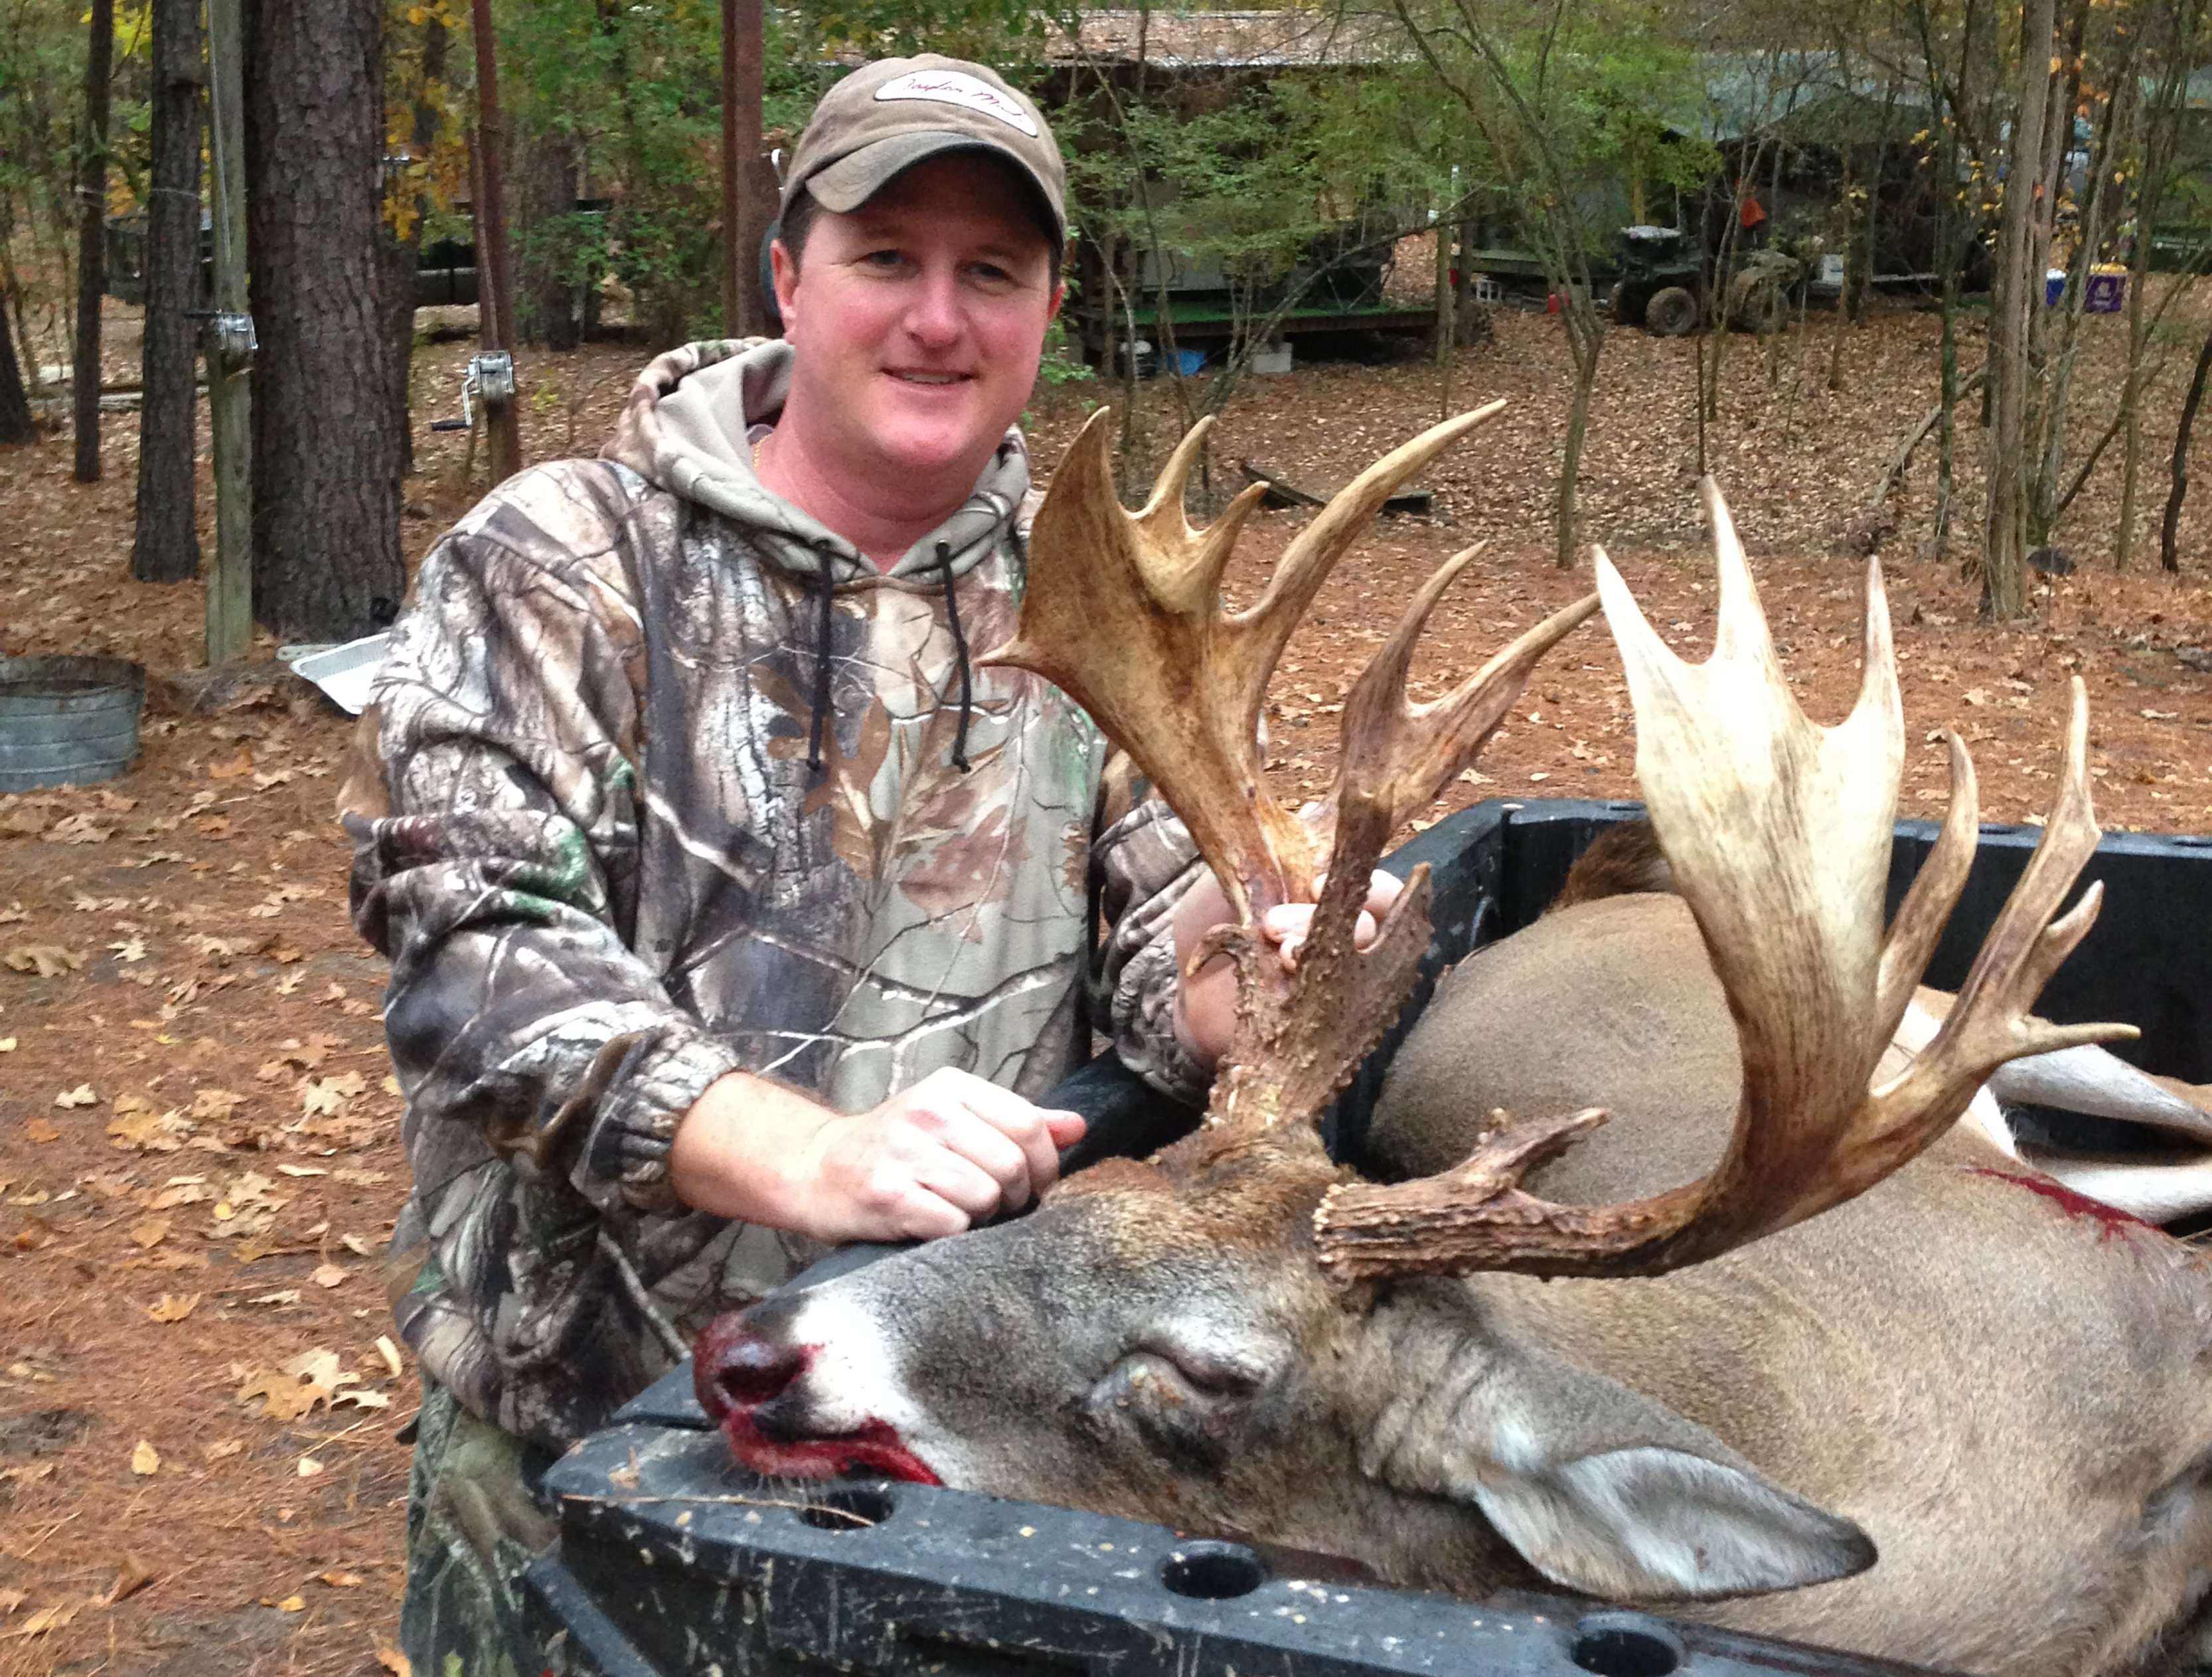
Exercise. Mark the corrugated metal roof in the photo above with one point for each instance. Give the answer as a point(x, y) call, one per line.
point(1228, 40)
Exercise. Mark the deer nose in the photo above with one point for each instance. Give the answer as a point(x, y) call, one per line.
point(736, 1366)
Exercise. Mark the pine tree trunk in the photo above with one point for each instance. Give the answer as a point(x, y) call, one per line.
point(547, 305)
point(166, 546)
point(92, 238)
point(326, 561)
point(14, 401)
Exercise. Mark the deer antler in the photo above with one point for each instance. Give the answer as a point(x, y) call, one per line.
point(1778, 833)
point(1123, 612)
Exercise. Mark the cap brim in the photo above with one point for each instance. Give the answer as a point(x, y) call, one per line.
point(844, 186)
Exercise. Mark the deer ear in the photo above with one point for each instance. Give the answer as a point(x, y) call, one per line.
point(1603, 1491)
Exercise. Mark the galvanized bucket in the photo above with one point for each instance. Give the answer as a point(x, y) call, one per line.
point(67, 720)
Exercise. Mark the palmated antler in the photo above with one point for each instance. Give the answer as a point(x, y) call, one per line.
point(1778, 833)
point(1124, 612)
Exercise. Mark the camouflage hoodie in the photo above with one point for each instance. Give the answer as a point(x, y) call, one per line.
point(605, 874)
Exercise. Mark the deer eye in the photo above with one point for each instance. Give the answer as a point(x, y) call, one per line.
point(1210, 1374)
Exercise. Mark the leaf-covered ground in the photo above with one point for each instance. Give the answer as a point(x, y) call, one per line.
point(198, 1163)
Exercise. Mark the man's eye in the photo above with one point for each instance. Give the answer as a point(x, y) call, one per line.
point(883, 259)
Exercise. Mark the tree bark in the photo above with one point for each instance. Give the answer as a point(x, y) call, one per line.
point(326, 562)
point(14, 401)
point(2170, 529)
point(548, 303)
point(166, 546)
point(92, 239)
point(2004, 532)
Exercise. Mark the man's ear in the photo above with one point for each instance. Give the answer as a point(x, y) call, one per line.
point(1052, 309)
point(785, 273)
point(1601, 1490)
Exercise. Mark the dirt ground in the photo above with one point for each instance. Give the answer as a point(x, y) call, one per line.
point(199, 1399)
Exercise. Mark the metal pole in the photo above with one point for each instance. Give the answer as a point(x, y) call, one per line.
point(230, 345)
point(495, 271)
point(745, 311)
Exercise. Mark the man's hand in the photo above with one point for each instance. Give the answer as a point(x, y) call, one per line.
point(1206, 1001)
point(933, 1160)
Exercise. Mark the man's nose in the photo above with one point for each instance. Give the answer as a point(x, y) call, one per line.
point(934, 314)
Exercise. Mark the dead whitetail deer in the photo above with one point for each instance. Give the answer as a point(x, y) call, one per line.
point(1929, 1414)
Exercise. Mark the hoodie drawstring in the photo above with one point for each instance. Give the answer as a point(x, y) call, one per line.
point(960, 656)
point(821, 670)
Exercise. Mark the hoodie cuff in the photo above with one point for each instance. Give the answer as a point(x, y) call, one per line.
point(625, 1160)
point(1144, 1026)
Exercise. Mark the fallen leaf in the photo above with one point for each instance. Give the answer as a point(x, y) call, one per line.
point(11, 1599)
point(82, 1095)
point(40, 1131)
point(359, 1248)
point(46, 960)
point(132, 1576)
point(341, 1580)
point(174, 1307)
point(241, 764)
point(328, 1275)
point(301, 1170)
point(129, 949)
point(145, 1459)
point(229, 1447)
point(47, 1618)
point(395, 1661)
point(293, 1603)
point(148, 1131)
point(149, 1232)
point(390, 1353)
point(214, 1104)
point(308, 1468)
point(78, 828)
point(361, 1397)
point(7, 1045)
point(286, 1295)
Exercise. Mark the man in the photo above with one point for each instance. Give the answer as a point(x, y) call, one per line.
point(732, 911)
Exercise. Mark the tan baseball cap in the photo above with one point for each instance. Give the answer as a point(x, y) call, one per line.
point(888, 115)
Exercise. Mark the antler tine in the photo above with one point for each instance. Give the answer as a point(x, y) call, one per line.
point(1990, 1023)
point(1122, 613)
point(1289, 1059)
point(1255, 637)
point(1408, 753)
point(1778, 834)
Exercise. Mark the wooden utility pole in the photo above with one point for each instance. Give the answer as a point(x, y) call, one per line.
point(493, 368)
point(230, 344)
point(92, 239)
point(744, 219)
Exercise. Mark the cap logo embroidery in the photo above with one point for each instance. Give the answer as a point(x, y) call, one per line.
point(953, 87)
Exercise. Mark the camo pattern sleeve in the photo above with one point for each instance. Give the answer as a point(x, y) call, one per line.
point(543, 1061)
point(1142, 866)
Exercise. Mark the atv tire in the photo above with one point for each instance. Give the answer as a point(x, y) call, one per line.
point(1672, 312)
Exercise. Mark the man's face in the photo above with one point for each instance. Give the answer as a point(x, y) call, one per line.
point(919, 318)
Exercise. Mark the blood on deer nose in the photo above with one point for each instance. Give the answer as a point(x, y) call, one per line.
point(737, 1367)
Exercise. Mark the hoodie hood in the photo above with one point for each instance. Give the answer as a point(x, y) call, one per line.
point(686, 429)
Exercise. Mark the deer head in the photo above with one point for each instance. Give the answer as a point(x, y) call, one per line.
point(1237, 1335)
